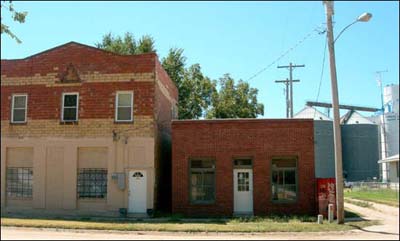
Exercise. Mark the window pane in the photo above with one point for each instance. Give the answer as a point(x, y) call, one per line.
point(290, 177)
point(209, 178)
point(19, 182)
point(196, 178)
point(124, 113)
point(274, 192)
point(124, 100)
point(242, 162)
point(70, 100)
point(284, 162)
point(284, 186)
point(70, 114)
point(202, 182)
point(290, 192)
point(92, 183)
point(196, 194)
point(19, 101)
point(274, 177)
point(202, 164)
point(209, 193)
point(19, 115)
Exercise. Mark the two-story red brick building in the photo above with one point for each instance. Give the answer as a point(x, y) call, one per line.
point(85, 130)
point(243, 166)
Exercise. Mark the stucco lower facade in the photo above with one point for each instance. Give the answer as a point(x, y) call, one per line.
point(56, 161)
point(85, 131)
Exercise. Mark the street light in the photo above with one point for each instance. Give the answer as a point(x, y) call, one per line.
point(335, 105)
point(365, 17)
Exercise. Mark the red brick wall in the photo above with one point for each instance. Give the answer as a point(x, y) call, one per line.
point(96, 100)
point(260, 139)
point(87, 58)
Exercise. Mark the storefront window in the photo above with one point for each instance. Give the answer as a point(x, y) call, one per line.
point(284, 179)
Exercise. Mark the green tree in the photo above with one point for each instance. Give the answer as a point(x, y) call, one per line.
point(127, 45)
point(145, 45)
point(234, 101)
point(195, 89)
point(16, 16)
point(195, 93)
point(198, 95)
point(174, 64)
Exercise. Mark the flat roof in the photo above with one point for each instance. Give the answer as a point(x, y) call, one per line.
point(243, 120)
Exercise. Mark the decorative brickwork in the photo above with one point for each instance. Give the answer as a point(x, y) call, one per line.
point(96, 75)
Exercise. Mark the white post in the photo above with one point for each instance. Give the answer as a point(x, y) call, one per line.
point(330, 213)
point(320, 219)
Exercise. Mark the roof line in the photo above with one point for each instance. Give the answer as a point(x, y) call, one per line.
point(85, 45)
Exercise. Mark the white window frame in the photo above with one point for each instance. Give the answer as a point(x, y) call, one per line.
point(116, 105)
point(12, 108)
point(77, 106)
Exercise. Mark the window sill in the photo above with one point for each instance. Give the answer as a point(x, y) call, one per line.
point(89, 199)
point(283, 202)
point(69, 122)
point(203, 203)
point(19, 123)
point(123, 122)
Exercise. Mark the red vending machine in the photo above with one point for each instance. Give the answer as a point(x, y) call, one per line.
point(326, 193)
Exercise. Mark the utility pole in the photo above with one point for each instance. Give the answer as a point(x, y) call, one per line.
point(291, 67)
point(287, 94)
point(336, 115)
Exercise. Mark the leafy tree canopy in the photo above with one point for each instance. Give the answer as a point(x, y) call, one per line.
point(127, 45)
point(16, 16)
point(235, 100)
point(198, 94)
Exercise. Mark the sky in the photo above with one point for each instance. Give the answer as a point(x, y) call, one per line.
point(239, 38)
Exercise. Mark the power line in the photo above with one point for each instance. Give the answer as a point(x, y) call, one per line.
point(287, 51)
point(322, 73)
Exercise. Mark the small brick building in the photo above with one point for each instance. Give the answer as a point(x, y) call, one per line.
point(84, 130)
point(243, 166)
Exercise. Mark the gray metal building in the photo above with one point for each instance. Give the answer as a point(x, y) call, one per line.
point(360, 151)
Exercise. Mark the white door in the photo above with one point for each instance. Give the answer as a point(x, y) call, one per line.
point(243, 191)
point(137, 194)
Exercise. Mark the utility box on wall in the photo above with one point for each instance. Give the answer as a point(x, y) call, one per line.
point(120, 177)
point(326, 194)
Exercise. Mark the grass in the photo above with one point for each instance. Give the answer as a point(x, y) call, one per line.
point(179, 224)
point(383, 196)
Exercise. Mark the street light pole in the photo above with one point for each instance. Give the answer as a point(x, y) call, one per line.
point(336, 115)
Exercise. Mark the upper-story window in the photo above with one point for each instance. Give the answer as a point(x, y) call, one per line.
point(70, 105)
point(124, 106)
point(19, 108)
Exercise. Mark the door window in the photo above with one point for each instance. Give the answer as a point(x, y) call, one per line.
point(243, 181)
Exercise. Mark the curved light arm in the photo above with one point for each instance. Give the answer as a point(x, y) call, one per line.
point(344, 30)
point(365, 17)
